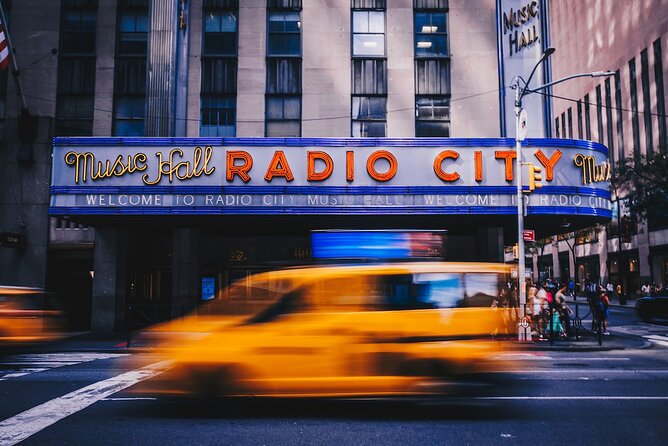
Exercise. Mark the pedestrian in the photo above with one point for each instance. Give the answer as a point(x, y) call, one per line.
point(646, 289)
point(605, 305)
point(564, 310)
point(620, 294)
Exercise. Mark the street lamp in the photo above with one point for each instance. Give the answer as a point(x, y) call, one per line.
point(520, 132)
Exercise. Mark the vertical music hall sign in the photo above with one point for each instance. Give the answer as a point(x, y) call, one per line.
point(522, 33)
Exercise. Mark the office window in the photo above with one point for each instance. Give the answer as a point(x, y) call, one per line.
point(368, 33)
point(587, 118)
point(130, 68)
point(283, 33)
point(556, 127)
point(570, 122)
point(218, 95)
point(599, 113)
point(76, 68)
point(620, 117)
point(660, 96)
point(608, 115)
point(634, 108)
point(579, 119)
point(432, 69)
point(283, 102)
point(647, 103)
point(369, 70)
point(563, 125)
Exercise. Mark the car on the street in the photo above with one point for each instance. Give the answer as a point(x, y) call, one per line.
point(650, 307)
point(390, 329)
point(27, 316)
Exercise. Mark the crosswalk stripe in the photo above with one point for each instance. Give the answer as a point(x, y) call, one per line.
point(21, 365)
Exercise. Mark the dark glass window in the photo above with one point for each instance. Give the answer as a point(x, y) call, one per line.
point(218, 95)
point(647, 103)
point(130, 68)
point(283, 103)
point(283, 33)
point(620, 117)
point(556, 127)
point(76, 68)
point(433, 116)
point(432, 69)
point(431, 38)
point(579, 119)
point(369, 116)
point(660, 96)
point(367, 4)
point(634, 108)
point(563, 125)
point(587, 118)
point(608, 115)
point(369, 76)
point(599, 113)
point(570, 122)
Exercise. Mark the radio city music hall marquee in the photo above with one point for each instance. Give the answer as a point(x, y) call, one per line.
point(322, 176)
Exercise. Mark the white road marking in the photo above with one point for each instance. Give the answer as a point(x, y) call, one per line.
point(529, 357)
point(25, 424)
point(46, 361)
point(658, 339)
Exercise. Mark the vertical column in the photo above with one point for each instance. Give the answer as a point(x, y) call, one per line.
point(161, 68)
point(326, 74)
point(400, 69)
point(251, 74)
point(603, 256)
point(104, 70)
point(109, 281)
point(185, 270)
point(556, 264)
point(643, 252)
point(194, 67)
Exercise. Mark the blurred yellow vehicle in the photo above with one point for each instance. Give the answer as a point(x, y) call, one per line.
point(25, 316)
point(363, 330)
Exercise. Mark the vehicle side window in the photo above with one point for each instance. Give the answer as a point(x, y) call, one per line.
point(480, 289)
point(351, 293)
point(445, 290)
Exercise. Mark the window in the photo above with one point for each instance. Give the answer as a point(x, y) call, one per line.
point(570, 122)
point(620, 117)
point(556, 126)
point(579, 119)
point(283, 33)
point(218, 95)
point(599, 114)
point(660, 96)
point(76, 68)
point(587, 118)
point(432, 69)
point(368, 33)
point(130, 68)
point(608, 115)
point(431, 38)
point(563, 125)
point(283, 102)
point(647, 105)
point(634, 108)
point(369, 70)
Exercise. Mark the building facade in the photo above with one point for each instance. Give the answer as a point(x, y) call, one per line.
point(627, 113)
point(149, 78)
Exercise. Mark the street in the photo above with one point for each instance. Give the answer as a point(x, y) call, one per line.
point(617, 396)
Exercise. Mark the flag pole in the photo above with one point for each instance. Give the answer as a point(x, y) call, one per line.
point(15, 69)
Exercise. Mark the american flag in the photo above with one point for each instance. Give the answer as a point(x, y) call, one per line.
point(4, 50)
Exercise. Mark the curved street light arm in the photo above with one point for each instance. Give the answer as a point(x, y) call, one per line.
point(572, 76)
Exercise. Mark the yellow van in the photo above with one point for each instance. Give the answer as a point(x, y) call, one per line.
point(362, 330)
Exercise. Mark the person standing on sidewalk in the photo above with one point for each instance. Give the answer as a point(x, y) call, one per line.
point(564, 309)
point(620, 294)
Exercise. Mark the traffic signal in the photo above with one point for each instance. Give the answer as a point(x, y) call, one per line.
point(534, 177)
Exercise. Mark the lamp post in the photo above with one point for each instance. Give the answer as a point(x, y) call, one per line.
point(520, 132)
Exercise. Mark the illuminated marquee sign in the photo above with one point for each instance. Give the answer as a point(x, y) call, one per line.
point(321, 176)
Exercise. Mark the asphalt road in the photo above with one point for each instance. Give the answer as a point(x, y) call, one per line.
point(590, 398)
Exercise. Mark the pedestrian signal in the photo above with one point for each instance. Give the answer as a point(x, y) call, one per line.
point(534, 177)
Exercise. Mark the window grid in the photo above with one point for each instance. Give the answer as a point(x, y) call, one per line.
point(76, 68)
point(608, 115)
point(130, 68)
point(556, 127)
point(570, 122)
point(620, 117)
point(660, 96)
point(647, 103)
point(218, 94)
point(579, 119)
point(599, 114)
point(587, 118)
point(283, 101)
point(634, 109)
